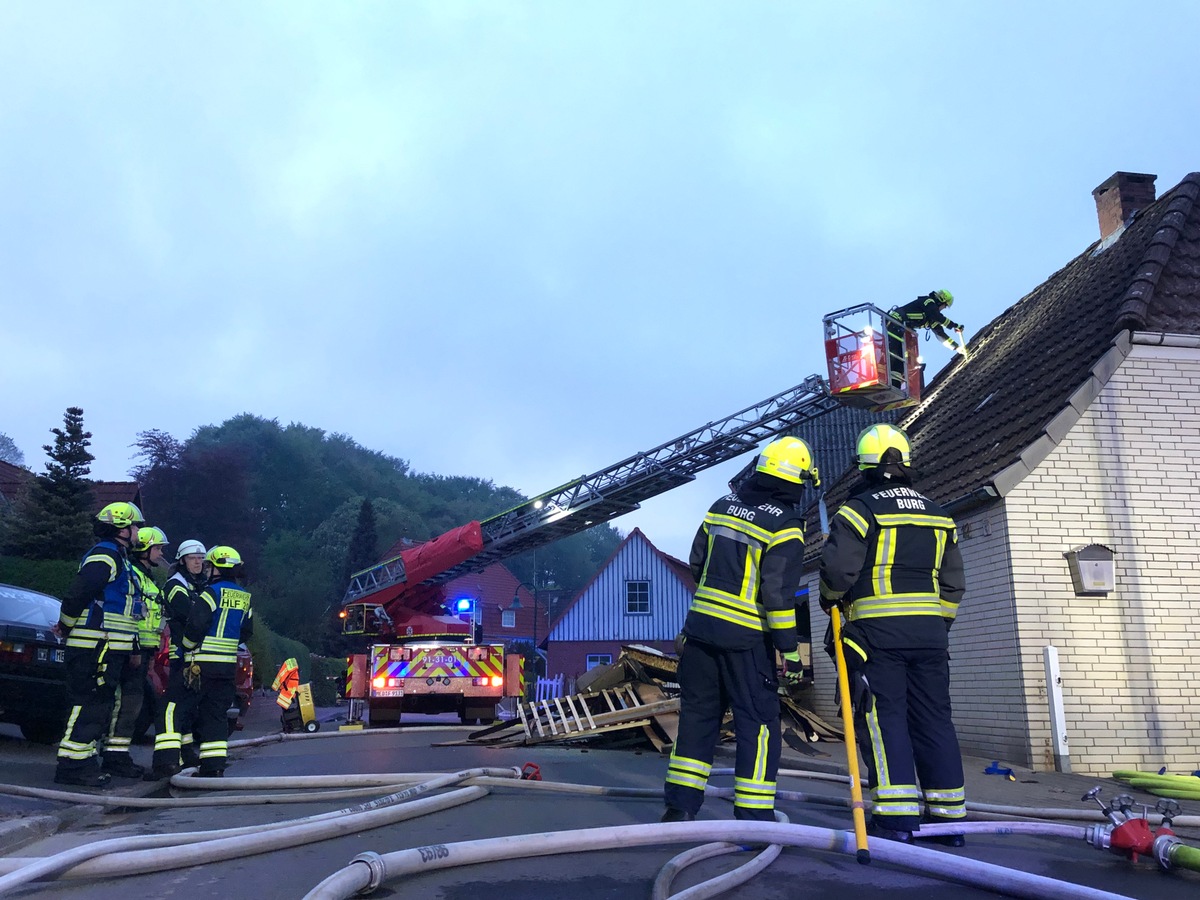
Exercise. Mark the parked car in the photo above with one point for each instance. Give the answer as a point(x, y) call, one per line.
point(33, 691)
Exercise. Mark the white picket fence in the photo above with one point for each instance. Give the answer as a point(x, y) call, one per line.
point(549, 688)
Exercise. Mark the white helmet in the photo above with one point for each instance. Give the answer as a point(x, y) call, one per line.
point(187, 548)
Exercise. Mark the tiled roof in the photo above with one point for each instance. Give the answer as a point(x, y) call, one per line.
point(106, 492)
point(980, 416)
point(14, 479)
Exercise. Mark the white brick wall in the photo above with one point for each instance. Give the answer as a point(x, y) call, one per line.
point(1127, 475)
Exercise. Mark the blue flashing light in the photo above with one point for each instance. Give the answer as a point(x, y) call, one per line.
point(464, 604)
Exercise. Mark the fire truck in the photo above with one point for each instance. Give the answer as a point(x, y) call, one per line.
point(418, 657)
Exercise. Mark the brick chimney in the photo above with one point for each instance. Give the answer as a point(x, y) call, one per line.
point(1119, 197)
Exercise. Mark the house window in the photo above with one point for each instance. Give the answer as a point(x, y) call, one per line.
point(637, 598)
point(598, 659)
point(508, 618)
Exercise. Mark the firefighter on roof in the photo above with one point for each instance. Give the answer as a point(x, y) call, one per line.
point(747, 559)
point(99, 620)
point(221, 619)
point(175, 718)
point(927, 311)
point(892, 563)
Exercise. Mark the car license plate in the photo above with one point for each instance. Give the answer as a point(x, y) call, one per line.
point(60, 655)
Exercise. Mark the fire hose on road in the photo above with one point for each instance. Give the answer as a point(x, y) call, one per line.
point(410, 795)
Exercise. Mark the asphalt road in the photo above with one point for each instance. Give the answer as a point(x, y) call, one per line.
point(620, 874)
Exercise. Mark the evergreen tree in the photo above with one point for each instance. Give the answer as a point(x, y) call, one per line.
point(54, 519)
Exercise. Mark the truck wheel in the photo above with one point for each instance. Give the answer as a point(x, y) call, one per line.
point(312, 727)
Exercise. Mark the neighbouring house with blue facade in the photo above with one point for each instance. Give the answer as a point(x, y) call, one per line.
point(639, 596)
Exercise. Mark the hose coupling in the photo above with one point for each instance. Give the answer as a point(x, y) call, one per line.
point(376, 866)
point(1164, 848)
point(1099, 836)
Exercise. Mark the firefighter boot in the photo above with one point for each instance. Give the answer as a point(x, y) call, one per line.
point(159, 773)
point(122, 765)
point(89, 776)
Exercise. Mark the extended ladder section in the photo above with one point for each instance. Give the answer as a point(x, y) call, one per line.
point(619, 489)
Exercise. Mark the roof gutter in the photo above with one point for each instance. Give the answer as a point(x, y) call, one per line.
point(978, 497)
point(1165, 339)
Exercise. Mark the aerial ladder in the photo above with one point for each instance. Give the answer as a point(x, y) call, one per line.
point(872, 362)
point(422, 658)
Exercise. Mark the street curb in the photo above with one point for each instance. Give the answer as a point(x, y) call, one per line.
point(16, 832)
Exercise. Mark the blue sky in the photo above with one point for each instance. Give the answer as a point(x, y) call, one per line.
point(523, 240)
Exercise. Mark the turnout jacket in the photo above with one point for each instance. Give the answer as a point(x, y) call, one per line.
point(103, 603)
point(927, 312)
point(179, 596)
point(893, 557)
point(747, 559)
point(221, 618)
point(151, 625)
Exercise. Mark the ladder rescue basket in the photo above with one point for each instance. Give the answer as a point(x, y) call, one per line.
point(872, 359)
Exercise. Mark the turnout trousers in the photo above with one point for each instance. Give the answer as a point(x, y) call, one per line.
point(712, 680)
point(908, 737)
point(90, 688)
point(127, 705)
point(175, 722)
point(212, 722)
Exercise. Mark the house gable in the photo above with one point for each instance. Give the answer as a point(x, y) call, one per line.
point(599, 612)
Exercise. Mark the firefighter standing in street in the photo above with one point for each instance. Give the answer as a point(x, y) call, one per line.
point(176, 715)
point(892, 563)
point(221, 618)
point(98, 619)
point(747, 559)
point(145, 554)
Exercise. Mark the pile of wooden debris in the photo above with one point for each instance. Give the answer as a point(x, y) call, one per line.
point(631, 701)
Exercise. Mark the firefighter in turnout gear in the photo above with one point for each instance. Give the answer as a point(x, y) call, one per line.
point(747, 560)
point(98, 617)
point(927, 311)
point(221, 619)
point(145, 554)
point(176, 716)
point(893, 565)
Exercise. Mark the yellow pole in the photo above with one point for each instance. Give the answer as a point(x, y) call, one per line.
point(856, 805)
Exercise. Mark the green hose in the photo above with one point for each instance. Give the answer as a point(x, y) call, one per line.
point(1179, 787)
point(1185, 857)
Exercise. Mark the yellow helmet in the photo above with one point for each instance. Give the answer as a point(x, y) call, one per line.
point(876, 440)
point(224, 557)
point(945, 297)
point(120, 515)
point(147, 537)
point(788, 458)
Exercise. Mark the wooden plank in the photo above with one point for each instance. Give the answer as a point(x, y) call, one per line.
point(549, 717)
point(575, 714)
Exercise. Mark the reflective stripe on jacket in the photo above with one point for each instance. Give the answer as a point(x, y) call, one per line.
point(103, 603)
point(227, 609)
point(747, 559)
point(893, 556)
